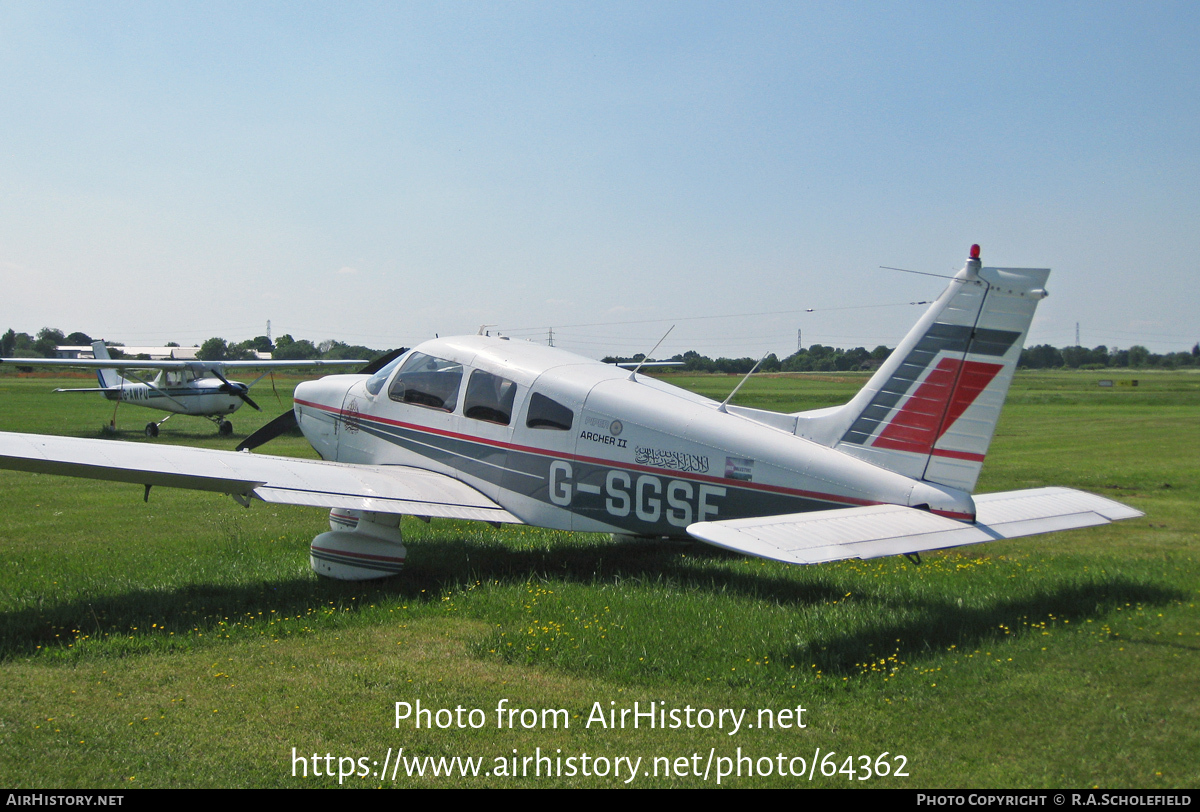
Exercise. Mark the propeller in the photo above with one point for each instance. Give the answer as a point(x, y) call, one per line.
point(239, 389)
point(287, 421)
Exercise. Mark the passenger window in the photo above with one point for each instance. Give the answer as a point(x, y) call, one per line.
point(545, 413)
point(489, 397)
point(427, 381)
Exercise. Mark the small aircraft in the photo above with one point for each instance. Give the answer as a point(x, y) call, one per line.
point(497, 430)
point(181, 387)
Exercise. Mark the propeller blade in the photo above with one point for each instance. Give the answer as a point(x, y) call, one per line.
point(239, 389)
point(228, 387)
point(382, 361)
point(281, 425)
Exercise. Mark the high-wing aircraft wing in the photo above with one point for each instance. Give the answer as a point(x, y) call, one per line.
point(283, 480)
point(191, 387)
point(168, 364)
point(878, 530)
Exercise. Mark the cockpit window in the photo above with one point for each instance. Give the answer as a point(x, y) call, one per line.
point(376, 381)
point(489, 397)
point(178, 377)
point(545, 413)
point(427, 381)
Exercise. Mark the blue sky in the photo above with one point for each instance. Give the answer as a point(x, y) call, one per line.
point(378, 173)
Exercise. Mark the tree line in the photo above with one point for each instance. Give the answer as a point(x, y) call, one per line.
point(816, 358)
point(1045, 356)
point(284, 348)
point(820, 358)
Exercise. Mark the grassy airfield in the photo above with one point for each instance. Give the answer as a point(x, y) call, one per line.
point(184, 642)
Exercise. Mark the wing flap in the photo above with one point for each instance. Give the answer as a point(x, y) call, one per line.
point(878, 530)
point(281, 480)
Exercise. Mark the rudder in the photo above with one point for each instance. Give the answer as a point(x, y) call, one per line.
point(930, 410)
point(108, 378)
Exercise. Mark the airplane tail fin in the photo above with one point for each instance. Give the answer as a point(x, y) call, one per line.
point(108, 377)
point(930, 410)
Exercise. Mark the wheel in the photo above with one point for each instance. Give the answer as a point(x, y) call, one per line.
point(225, 428)
point(151, 429)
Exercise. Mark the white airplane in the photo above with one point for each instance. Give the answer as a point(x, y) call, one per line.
point(181, 387)
point(495, 430)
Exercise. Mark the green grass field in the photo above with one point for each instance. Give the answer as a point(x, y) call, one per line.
point(184, 642)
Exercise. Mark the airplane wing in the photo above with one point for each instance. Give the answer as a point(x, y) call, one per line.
point(282, 480)
point(133, 363)
point(878, 530)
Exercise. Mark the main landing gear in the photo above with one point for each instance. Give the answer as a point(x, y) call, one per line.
point(152, 427)
point(224, 427)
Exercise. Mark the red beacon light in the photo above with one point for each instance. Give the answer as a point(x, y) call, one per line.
point(975, 251)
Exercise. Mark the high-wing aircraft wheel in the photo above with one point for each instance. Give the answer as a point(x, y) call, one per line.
point(225, 428)
point(151, 429)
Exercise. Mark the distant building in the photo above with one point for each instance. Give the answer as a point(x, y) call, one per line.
point(153, 353)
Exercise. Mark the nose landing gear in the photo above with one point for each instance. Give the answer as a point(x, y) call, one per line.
point(224, 427)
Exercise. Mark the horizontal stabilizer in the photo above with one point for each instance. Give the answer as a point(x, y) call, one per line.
point(879, 530)
point(94, 389)
point(283, 480)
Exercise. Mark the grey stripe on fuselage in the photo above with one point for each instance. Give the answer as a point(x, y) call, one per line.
point(114, 393)
point(637, 500)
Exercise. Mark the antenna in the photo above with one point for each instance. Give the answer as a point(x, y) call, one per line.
point(754, 368)
point(921, 273)
point(646, 357)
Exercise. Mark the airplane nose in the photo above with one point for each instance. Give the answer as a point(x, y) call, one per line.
point(315, 406)
point(318, 408)
point(325, 394)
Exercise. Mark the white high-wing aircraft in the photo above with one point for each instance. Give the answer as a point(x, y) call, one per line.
point(198, 388)
point(486, 428)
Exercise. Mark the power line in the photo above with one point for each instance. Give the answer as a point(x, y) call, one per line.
point(542, 328)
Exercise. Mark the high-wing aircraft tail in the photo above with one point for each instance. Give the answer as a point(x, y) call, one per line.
point(930, 410)
point(109, 378)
